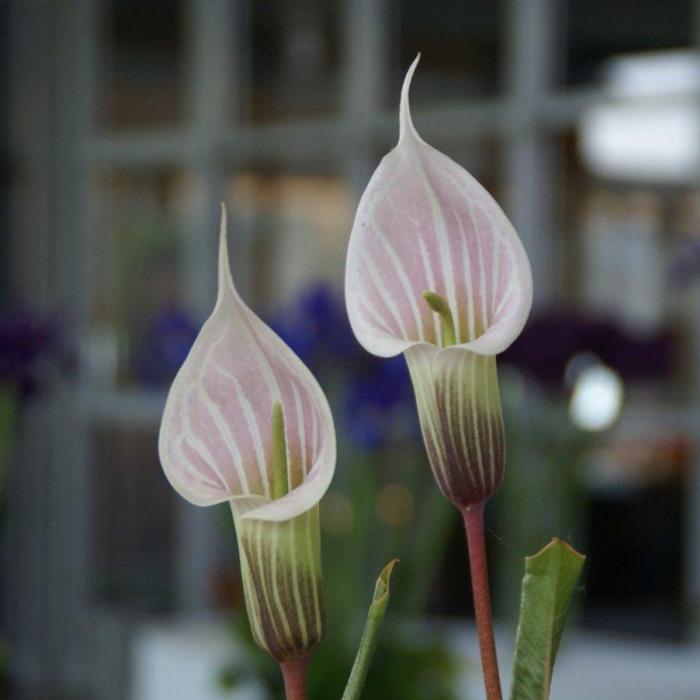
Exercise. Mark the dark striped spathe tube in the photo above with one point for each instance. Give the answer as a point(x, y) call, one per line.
point(281, 571)
point(460, 415)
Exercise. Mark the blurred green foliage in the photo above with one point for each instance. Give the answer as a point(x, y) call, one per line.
point(542, 488)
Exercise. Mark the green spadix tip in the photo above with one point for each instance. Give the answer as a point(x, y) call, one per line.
point(440, 306)
point(280, 479)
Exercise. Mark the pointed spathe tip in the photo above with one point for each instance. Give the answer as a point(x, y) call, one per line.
point(225, 278)
point(405, 121)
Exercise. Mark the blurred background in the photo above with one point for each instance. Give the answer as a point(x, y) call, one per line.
point(124, 124)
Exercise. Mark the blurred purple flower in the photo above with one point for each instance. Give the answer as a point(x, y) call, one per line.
point(316, 327)
point(31, 346)
point(375, 393)
point(166, 341)
point(551, 339)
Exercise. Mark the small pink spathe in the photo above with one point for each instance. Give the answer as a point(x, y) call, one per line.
point(215, 435)
point(424, 223)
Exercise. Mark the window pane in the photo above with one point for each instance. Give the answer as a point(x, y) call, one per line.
point(296, 225)
point(296, 59)
point(141, 325)
point(459, 46)
point(135, 511)
point(142, 68)
point(598, 29)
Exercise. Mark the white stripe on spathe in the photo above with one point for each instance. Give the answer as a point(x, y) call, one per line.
point(227, 437)
point(403, 278)
point(255, 434)
point(193, 471)
point(194, 442)
point(386, 297)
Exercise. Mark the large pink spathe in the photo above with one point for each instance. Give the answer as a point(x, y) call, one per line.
point(424, 223)
point(215, 436)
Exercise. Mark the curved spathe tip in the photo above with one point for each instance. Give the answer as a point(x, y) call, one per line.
point(405, 122)
point(225, 285)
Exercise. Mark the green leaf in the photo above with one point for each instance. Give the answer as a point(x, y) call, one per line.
point(370, 635)
point(548, 587)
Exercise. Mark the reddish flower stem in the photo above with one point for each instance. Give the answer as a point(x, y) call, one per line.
point(295, 673)
point(474, 526)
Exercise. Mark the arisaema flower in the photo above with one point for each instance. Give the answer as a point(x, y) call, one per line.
point(435, 270)
point(246, 423)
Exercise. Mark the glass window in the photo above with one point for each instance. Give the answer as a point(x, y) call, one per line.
point(135, 510)
point(296, 59)
point(141, 326)
point(598, 29)
point(141, 83)
point(296, 226)
point(459, 47)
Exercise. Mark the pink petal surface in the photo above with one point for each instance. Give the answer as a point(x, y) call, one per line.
point(424, 223)
point(215, 435)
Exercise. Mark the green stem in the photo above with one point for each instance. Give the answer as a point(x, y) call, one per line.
point(474, 525)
